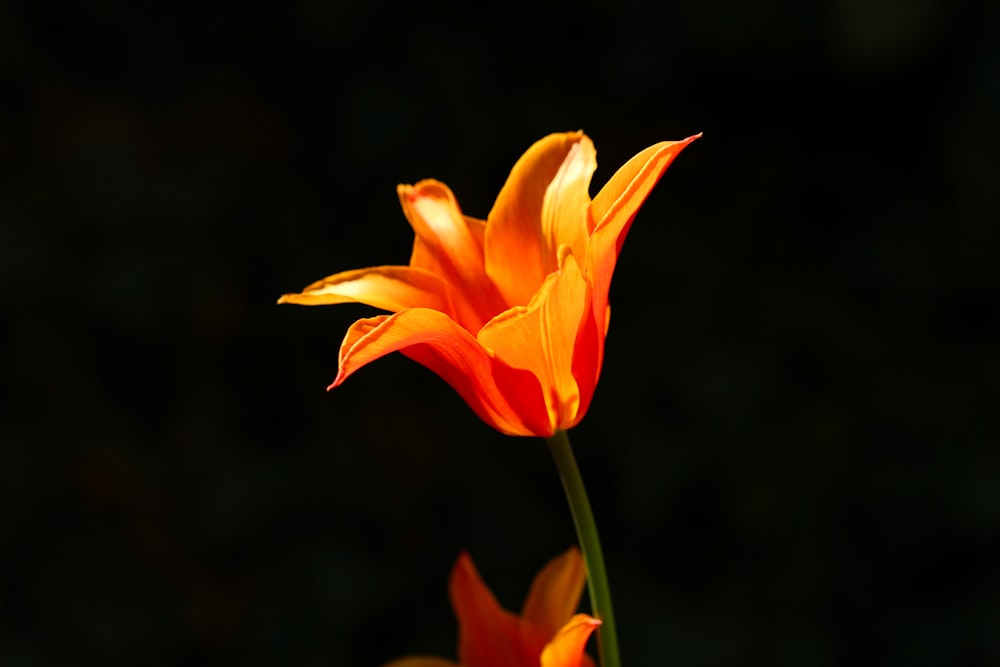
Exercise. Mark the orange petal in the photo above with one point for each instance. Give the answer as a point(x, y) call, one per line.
point(555, 593)
point(390, 288)
point(588, 357)
point(564, 208)
point(420, 661)
point(562, 314)
point(488, 635)
point(477, 228)
point(508, 399)
point(514, 336)
point(518, 256)
point(451, 245)
point(566, 649)
point(541, 338)
point(437, 220)
point(613, 210)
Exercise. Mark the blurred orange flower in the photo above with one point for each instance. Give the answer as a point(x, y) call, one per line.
point(546, 634)
point(512, 311)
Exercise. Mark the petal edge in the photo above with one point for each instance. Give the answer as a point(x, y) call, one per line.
point(555, 593)
point(506, 398)
point(566, 648)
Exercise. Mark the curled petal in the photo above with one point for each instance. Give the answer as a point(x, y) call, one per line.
point(566, 648)
point(391, 288)
point(517, 251)
point(450, 245)
point(441, 228)
point(509, 399)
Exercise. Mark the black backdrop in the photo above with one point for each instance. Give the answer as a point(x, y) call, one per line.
point(792, 452)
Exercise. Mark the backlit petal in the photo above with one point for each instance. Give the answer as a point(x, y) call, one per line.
point(566, 648)
point(477, 228)
point(391, 288)
point(451, 246)
point(547, 634)
point(518, 254)
point(541, 337)
point(562, 314)
point(588, 357)
point(515, 337)
point(488, 635)
point(564, 209)
point(436, 219)
point(511, 312)
point(555, 593)
point(613, 210)
point(506, 398)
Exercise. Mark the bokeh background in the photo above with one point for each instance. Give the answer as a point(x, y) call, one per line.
point(793, 451)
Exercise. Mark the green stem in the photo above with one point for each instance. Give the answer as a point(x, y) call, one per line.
point(590, 545)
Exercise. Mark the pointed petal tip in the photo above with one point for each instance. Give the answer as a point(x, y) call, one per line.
point(297, 299)
point(684, 142)
point(464, 560)
point(679, 144)
point(337, 381)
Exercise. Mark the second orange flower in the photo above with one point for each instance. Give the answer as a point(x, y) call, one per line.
point(511, 311)
point(547, 633)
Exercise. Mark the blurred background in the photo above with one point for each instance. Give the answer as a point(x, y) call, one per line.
point(793, 451)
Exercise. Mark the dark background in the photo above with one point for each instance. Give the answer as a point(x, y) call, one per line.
point(793, 450)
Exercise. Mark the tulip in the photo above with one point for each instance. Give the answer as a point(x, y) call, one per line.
point(512, 311)
point(547, 633)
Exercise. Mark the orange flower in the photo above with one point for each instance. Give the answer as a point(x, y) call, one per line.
point(546, 634)
point(511, 311)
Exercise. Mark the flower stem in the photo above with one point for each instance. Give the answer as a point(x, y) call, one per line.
point(590, 545)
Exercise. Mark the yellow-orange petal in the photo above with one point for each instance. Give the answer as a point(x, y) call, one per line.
point(566, 648)
point(541, 338)
point(516, 247)
point(564, 208)
point(488, 635)
point(421, 661)
point(562, 314)
point(506, 398)
point(555, 593)
point(477, 228)
point(391, 288)
point(450, 245)
point(614, 208)
point(437, 220)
